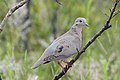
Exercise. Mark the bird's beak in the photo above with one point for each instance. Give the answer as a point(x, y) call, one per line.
point(86, 24)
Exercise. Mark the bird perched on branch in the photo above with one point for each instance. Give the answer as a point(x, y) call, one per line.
point(64, 46)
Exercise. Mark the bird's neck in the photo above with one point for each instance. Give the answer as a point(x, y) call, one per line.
point(76, 30)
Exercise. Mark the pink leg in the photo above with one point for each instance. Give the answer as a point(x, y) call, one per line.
point(65, 61)
point(61, 66)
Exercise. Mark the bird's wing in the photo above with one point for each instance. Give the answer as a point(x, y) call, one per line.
point(67, 46)
point(47, 56)
point(61, 48)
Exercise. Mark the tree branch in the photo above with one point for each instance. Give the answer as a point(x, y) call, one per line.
point(107, 26)
point(10, 12)
point(58, 2)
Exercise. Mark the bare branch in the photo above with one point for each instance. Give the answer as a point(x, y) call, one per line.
point(10, 12)
point(107, 26)
point(117, 12)
point(58, 2)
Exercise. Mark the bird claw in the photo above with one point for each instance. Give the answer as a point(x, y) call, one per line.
point(65, 61)
point(62, 67)
point(63, 70)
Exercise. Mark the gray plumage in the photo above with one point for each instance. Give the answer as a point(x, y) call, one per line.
point(65, 45)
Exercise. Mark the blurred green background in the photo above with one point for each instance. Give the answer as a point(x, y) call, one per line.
point(49, 20)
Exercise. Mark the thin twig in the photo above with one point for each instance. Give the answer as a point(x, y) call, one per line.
point(106, 15)
point(117, 12)
point(10, 12)
point(58, 2)
point(107, 26)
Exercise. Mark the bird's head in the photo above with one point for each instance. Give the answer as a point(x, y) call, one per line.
point(80, 22)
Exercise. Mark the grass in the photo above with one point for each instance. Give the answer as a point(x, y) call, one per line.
point(100, 61)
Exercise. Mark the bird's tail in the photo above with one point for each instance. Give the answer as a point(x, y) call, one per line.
point(38, 63)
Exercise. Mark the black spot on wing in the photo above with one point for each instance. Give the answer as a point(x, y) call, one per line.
point(60, 49)
point(46, 62)
point(49, 58)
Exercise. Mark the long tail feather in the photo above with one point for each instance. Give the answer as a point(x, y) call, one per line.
point(38, 63)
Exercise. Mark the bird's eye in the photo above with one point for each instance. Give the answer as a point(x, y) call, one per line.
point(80, 20)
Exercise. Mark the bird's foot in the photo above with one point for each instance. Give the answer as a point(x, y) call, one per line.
point(62, 67)
point(66, 61)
